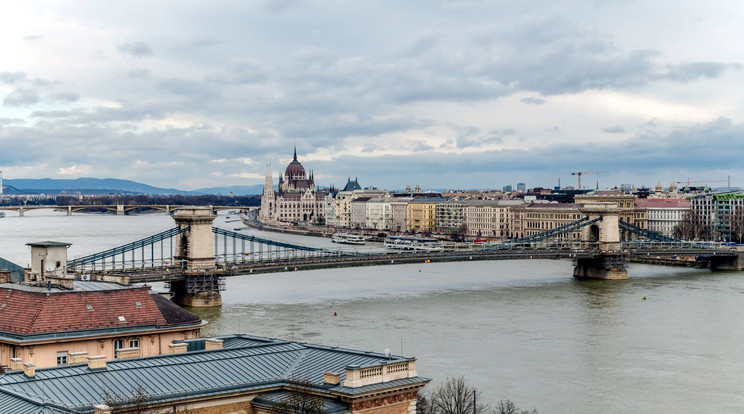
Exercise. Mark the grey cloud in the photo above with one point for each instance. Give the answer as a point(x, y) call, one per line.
point(689, 72)
point(138, 74)
point(249, 72)
point(422, 44)
point(135, 48)
point(614, 130)
point(554, 129)
point(21, 97)
point(533, 101)
point(11, 77)
point(189, 88)
point(32, 37)
point(203, 42)
point(64, 97)
point(279, 6)
point(11, 121)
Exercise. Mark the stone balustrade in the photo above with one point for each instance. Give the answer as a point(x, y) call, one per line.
point(357, 376)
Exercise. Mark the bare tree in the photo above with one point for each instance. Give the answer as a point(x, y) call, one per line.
point(509, 407)
point(454, 396)
point(300, 400)
point(139, 402)
point(694, 227)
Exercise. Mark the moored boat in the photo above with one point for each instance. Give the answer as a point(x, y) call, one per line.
point(346, 238)
point(412, 243)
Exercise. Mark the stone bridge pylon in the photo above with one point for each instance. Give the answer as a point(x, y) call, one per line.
point(609, 262)
point(194, 253)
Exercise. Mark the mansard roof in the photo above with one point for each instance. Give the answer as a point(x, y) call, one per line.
point(352, 185)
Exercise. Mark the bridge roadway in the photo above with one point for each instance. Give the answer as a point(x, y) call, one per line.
point(120, 209)
point(652, 251)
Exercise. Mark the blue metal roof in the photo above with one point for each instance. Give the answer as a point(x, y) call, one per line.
point(261, 363)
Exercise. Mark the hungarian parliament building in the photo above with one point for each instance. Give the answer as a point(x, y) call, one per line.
point(296, 199)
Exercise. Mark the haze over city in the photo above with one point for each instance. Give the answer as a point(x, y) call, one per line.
point(445, 94)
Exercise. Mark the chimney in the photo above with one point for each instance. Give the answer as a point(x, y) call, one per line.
point(16, 364)
point(212, 343)
point(178, 348)
point(29, 368)
point(78, 357)
point(331, 378)
point(97, 362)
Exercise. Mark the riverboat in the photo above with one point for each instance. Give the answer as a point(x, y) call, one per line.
point(412, 243)
point(345, 238)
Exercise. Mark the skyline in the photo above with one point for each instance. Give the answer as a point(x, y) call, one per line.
point(451, 94)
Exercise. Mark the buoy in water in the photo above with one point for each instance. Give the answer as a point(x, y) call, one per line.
point(334, 314)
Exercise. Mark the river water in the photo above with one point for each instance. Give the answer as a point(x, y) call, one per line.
point(520, 330)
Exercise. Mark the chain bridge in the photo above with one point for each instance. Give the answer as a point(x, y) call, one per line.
point(194, 257)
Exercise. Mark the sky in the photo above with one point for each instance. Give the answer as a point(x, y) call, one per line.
point(442, 94)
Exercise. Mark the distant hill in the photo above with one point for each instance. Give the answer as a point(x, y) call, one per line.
point(88, 185)
point(238, 190)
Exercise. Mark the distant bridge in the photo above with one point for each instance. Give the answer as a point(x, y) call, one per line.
point(119, 209)
point(194, 257)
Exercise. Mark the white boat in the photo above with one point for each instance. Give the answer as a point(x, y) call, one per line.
point(346, 238)
point(412, 243)
point(2, 214)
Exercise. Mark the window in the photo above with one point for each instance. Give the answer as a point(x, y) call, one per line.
point(62, 358)
point(134, 343)
point(118, 344)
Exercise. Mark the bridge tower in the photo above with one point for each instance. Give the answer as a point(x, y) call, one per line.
point(609, 262)
point(195, 253)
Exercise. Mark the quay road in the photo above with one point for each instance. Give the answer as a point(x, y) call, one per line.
point(648, 253)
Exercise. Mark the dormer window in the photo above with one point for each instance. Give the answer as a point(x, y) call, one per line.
point(122, 319)
point(89, 307)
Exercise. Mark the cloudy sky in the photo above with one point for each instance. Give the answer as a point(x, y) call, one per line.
point(443, 94)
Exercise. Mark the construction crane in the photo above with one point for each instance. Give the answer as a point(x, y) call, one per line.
point(580, 173)
point(688, 182)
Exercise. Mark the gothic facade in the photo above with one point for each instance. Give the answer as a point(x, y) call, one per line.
point(296, 199)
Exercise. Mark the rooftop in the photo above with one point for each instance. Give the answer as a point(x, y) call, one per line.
point(32, 313)
point(245, 364)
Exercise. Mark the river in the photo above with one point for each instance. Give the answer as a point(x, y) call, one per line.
point(665, 340)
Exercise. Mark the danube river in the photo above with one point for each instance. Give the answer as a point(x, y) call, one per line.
point(666, 340)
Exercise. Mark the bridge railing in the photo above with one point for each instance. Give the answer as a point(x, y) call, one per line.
point(676, 245)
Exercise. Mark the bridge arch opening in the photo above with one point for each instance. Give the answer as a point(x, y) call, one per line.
point(594, 233)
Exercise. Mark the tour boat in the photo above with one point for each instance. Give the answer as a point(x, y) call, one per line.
point(346, 238)
point(412, 243)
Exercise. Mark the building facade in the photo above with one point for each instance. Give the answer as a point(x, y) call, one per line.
point(47, 325)
point(664, 215)
point(296, 200)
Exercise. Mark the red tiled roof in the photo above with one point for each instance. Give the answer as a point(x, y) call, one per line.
point(31, 313)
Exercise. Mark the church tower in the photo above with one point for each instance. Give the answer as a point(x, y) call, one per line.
point(268, 198)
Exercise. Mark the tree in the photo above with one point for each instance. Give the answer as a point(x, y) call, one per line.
point(139, 402)
point(454, 396)
point(694, 227)
point(509, 407)
point(300, 400)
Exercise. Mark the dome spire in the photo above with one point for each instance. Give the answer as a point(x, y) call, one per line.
point(295, 152)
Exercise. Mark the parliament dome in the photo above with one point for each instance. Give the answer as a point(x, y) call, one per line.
point(295, 169)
